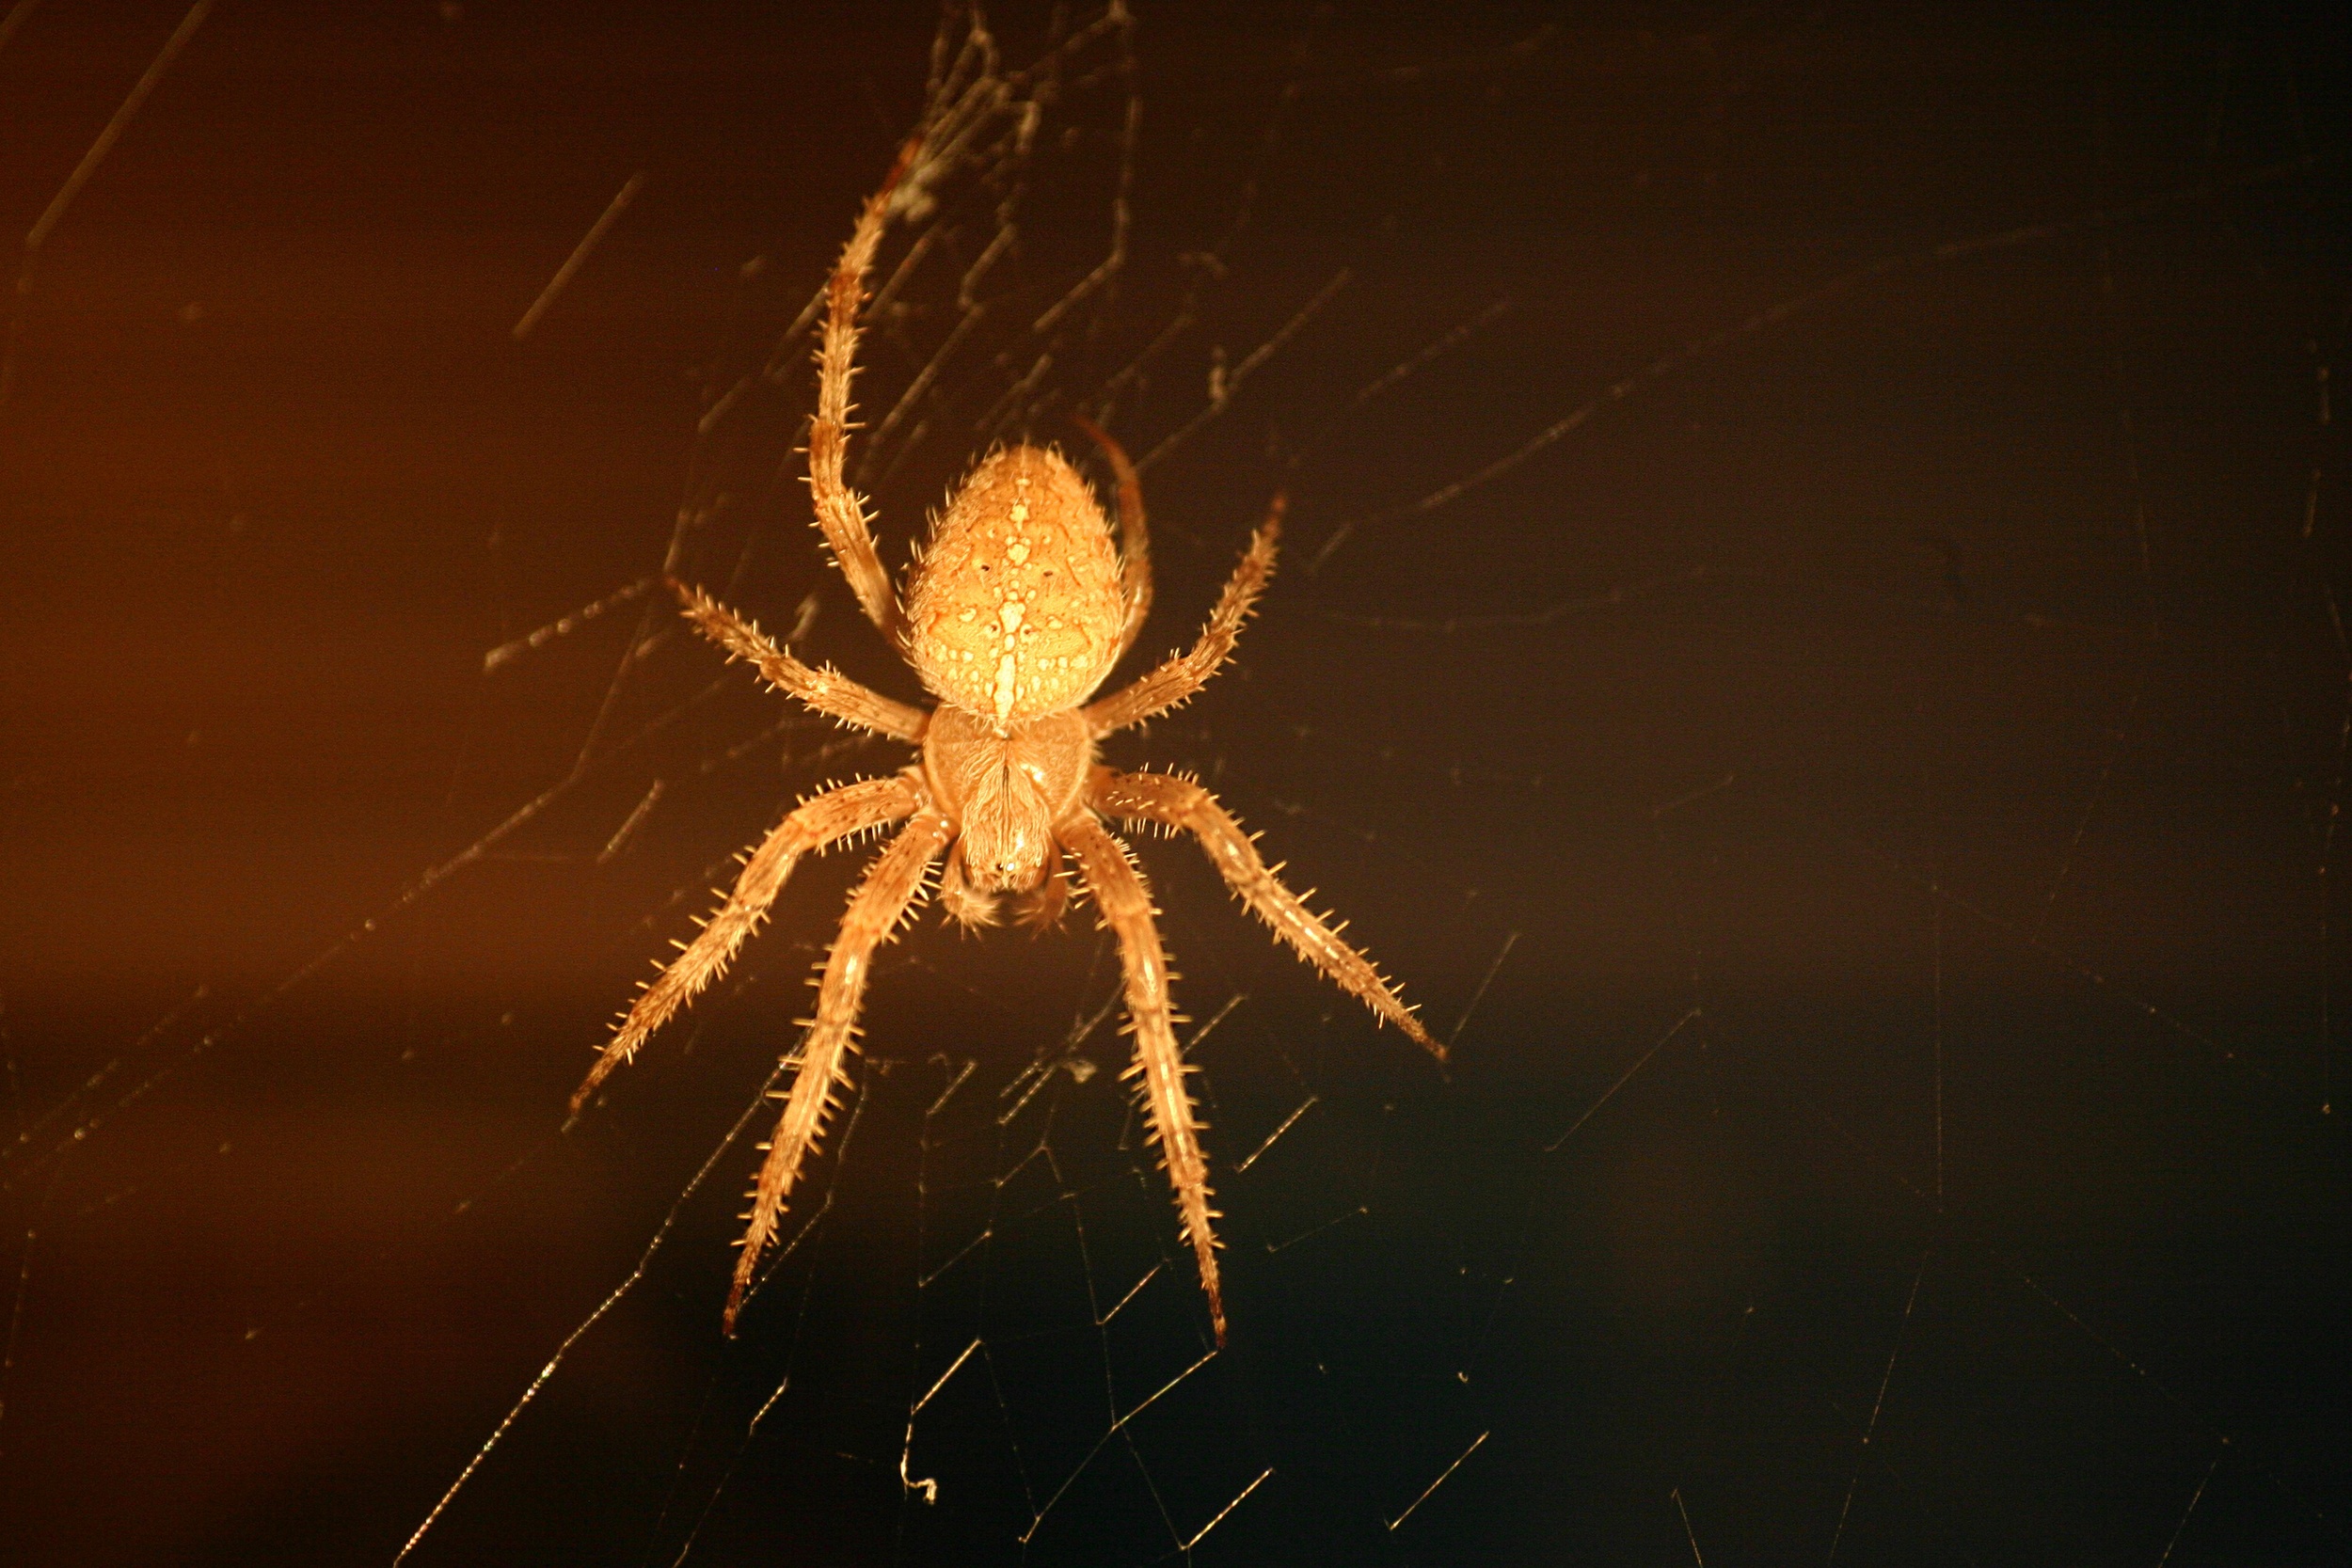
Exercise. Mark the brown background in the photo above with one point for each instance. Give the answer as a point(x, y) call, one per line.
point(1928, 685)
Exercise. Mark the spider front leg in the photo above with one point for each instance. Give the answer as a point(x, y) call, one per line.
point(829, 817)
point(890, 888)
point(1186, 673)
point(1181, 803)
point(1118, 887)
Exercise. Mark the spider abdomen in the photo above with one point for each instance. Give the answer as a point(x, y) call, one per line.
point(1015, 610)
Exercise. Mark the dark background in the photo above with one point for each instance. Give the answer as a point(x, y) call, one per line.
point(1918, 670)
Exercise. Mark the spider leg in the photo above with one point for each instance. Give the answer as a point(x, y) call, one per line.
point(840, 510)
point(827, 690)
point(1181, 803)
point(815, 823)
point(1135, 539)
point(892, 885)
point(1186, 673)
point(1118, 887)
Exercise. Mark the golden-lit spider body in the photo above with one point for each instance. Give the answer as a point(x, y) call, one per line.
point(1015, 609)
point(1012, 618)
point(1007, 790)
point(1018, 609)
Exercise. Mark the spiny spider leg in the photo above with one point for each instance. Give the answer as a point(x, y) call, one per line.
point(833, 816)
point(892, 885)
point(827, 690)
point(1134, 538)
point(1126, 904)
point(1181, 803)
point(1186, 673)
point(840, 510)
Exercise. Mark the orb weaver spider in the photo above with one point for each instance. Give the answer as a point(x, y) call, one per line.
point(1017, 609)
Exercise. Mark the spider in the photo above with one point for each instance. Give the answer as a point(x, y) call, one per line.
point(1015, 613)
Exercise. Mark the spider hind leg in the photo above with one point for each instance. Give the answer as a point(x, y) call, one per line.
point(1173, 683)
point(1134, 552)
point(841, 514)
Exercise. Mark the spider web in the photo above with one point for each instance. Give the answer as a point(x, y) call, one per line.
point(1810, 641)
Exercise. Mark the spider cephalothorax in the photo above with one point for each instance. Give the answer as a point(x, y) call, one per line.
point(1015, 613)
